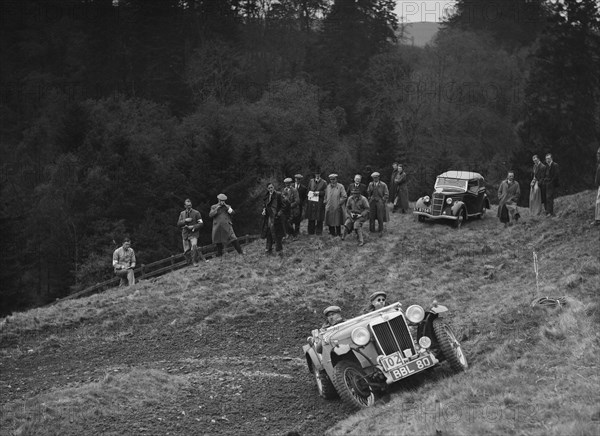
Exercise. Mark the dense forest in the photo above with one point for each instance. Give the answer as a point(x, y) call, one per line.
point(115, 111)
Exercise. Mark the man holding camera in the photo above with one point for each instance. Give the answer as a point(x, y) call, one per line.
point(222, 231)
point(190, 222)
point(357, 207)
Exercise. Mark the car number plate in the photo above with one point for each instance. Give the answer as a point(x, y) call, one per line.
point(397, 369)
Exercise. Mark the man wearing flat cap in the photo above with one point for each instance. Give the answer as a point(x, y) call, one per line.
point(378, 196)
point(273, 228)
point(190, 222)
point(302, 193)
point(335, 199)
point(333, 314)
point(222, 231)
point(291, 196)
point(315, 206)
point(357, 208)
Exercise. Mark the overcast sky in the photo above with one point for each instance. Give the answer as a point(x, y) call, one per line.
point(424, 10)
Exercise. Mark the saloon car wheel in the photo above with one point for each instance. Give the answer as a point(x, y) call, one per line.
point(460, 219)
point(421, 218)
point(450, 346)
point(349, 380)
point(324, 384)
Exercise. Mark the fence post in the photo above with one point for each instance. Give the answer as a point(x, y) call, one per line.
point(143, 271)
point(172, 262)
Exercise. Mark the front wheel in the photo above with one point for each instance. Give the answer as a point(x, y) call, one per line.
point(421, 218)
point(324, 384)
point(350, 382)
point(460, 219)
point(450, 346)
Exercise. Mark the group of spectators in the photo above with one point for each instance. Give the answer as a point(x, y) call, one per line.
point(544, 184)
point(342, 210)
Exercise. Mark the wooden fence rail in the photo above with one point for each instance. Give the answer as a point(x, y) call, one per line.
point(160, 267)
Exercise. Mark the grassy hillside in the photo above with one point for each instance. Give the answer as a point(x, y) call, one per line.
point(217, 349)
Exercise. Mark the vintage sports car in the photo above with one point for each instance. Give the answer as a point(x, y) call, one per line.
point(358, 358)
point(457, 196)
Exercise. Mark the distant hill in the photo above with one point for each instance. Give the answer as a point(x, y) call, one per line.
point(421, 33)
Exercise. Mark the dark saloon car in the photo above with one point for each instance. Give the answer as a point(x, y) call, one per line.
point(457, 196)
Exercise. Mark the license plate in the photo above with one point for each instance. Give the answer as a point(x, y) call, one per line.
point(405, 369)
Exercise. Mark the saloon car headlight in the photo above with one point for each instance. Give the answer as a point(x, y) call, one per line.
point(426, 199)
point(449, 200)
point(425, 342)
point(360, 336)
point(415, 314)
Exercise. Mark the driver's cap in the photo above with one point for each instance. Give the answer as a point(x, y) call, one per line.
point(332, 309)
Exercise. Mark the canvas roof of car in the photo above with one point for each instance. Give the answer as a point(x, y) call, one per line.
point(463, 175)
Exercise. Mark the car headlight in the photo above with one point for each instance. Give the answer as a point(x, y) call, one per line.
point(425, 342)
point(415, 314)
point(449, 200)
point(426, 199)
point(360, 336)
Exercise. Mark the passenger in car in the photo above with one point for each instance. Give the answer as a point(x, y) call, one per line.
point(376, 301)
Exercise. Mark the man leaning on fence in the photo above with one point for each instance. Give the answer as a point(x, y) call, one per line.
point(124, 263)
point(190, 222)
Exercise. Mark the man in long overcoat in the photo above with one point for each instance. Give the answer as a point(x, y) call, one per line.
point(509, 193)
point(302, 194)
point(393, 186)
point(190, 222)
point(401, 181)
point(222, 231)
point(335, 200)
point(537, 188)
point(378, 196)
point(315, 206)
point(273, 227)
point(290, 194)
point(551, 183)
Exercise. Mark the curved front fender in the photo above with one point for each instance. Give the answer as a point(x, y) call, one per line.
point(312, 358)
point(456, 207)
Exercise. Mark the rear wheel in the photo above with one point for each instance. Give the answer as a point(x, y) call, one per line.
point(450, 346)
point(324, 384)
point(350, 382)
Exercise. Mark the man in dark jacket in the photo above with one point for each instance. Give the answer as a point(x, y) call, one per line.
point(273, 227)
point(597, 181)
point(315, 206)
point(302, 194)
point(357, 184)
point(551, 183)
point(190, 222)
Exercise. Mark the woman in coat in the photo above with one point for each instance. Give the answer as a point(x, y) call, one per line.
point(222, 231)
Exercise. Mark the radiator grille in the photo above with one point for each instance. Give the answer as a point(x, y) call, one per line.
point(393, 335)
point(438, 204)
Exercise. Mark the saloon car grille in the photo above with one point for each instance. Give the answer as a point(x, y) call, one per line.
point(393, 335)
point(437, 204)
